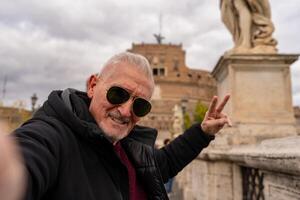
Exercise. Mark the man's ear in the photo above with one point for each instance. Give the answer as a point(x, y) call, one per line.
point(90, 85)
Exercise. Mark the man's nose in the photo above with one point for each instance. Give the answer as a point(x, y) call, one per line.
point(125, 108)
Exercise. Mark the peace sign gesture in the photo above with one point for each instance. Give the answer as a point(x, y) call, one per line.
point(215, 119)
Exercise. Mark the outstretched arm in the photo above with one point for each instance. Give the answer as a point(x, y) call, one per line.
point(181, 151)
point(12, 170)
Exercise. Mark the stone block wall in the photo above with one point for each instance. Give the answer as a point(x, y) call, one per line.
point(280, 186)
point(217, 174)
point(208, 180)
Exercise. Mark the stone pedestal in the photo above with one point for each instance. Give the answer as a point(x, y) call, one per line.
point(261, 101)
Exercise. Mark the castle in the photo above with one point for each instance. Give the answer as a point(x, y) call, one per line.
point(175, 83)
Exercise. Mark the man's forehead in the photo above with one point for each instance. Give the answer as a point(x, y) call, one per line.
point(117, 69)
point(124, 70)
point(128, 76)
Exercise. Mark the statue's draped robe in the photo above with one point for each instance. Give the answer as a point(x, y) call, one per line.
point(249, 22)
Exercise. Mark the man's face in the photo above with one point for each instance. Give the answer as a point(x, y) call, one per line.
point(117, 120)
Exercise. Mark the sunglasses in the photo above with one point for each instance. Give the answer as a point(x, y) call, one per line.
point(117, 95)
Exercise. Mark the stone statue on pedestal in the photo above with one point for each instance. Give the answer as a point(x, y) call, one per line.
point(249, 22)
point(177, 121)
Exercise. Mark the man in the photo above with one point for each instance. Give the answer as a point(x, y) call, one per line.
point(87, 145)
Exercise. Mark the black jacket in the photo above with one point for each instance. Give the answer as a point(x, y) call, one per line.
point(68, 158)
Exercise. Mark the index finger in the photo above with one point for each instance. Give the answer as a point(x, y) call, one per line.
point(212, 105)
point(223, 103)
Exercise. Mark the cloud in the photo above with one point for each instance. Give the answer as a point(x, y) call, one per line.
point(286, 18)
point(55, 45)
point(40, 63)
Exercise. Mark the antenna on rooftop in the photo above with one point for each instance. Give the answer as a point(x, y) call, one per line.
point(4, 87)
point(159, 36)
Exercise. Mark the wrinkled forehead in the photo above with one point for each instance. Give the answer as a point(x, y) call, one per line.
point(130, 78)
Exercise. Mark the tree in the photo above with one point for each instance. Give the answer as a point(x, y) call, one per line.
point(200, 111)
point(187, 121)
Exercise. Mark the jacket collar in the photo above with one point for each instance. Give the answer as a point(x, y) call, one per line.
point(79, 119)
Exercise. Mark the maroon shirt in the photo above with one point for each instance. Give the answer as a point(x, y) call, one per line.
point(136, 191)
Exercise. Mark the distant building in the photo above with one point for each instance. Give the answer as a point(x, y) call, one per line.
point(174, 82)
point(11, 118)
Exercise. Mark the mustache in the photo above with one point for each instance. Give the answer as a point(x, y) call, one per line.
point(116, 114)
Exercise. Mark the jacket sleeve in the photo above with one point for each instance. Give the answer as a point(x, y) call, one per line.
point(39, 145)
point(172, 158)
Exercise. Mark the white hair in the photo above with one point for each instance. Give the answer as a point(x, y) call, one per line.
point(135, 60)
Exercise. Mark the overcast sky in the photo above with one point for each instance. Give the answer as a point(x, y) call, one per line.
point(58, 44)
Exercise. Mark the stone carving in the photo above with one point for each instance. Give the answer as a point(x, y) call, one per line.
point(249, 22)
point(177, 120)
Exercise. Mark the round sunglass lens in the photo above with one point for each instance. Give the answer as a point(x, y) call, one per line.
point(117, 95)
point(141, 107)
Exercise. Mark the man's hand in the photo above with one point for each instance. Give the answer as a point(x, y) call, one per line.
point(12, 172)
point(215, 119)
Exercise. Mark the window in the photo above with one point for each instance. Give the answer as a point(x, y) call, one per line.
point(159, 71)
point(176, 65)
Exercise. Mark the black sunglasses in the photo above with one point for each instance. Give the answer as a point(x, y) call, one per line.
point(117, 95)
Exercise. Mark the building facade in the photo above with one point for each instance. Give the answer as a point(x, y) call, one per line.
point(175, 83)
point(12, 117)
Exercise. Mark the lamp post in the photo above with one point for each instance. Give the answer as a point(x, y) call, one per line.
point(34, 99)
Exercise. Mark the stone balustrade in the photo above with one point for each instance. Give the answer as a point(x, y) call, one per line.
point(218, 173)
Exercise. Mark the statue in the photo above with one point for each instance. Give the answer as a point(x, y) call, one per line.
point(159, 38)
point(177, 121)
point(249, 22)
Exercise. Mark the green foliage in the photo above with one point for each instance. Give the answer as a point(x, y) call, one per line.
point(187, 121)
point(200, 111)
